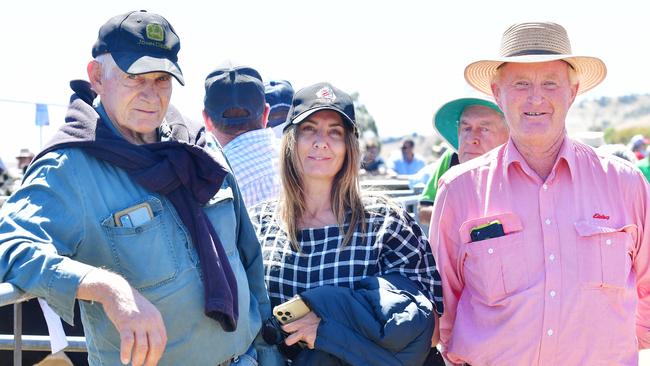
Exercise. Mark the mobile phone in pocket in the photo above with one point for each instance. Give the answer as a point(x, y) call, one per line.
point(492, 229)
point(134, 215)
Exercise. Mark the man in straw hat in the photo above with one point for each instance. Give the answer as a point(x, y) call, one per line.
point(547, 262)
point(472, 127)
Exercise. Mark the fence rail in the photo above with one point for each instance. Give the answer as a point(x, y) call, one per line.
point(18, 342)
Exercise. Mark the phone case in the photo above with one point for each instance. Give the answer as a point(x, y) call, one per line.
point(118, 217)
point(493, 229)
point(291, 310)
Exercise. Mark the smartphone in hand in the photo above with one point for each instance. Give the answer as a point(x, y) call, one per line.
point(291, 310)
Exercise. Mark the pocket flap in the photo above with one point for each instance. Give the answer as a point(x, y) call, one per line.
point(509, 220)
point(589, 228)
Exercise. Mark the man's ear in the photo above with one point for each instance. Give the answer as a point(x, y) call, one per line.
point(265, 117)
point(574, 92)
point(94, 70)
point(207, 121)
point(496, 93)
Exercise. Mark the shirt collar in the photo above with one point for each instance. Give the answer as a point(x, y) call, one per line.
point(566, 157)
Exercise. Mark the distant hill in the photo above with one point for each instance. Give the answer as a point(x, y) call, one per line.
point(615, 112)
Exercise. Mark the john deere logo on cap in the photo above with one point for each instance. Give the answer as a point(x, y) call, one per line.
point(155, 32)
point(327, 94)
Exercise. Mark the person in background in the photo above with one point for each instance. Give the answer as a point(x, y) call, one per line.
point(550, 238)
point(638, 144)
point(23, 159)
point(372, 163)
point(278, 95)
point(236, 113)
point(644, 164)
point(361, 264)
point(126, 210)
point(472, 127)
point(406, 162)
point(6, 181)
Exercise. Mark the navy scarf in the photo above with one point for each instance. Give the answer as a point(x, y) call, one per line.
point(178, 169)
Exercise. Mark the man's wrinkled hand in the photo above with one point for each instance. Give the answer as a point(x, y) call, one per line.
point(142, 331)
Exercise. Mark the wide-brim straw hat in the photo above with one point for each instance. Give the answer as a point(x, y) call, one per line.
point(536, 42)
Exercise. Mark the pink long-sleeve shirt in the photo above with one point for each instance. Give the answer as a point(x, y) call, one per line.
point(568, 284)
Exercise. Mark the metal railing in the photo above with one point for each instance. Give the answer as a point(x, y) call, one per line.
point(18, 342)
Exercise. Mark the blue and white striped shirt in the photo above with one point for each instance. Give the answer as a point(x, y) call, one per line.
point(254, 158)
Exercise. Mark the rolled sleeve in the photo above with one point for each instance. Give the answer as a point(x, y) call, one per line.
point(62, 284)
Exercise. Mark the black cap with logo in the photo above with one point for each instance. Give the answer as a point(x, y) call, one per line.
point(318, 97)
point(140, 42)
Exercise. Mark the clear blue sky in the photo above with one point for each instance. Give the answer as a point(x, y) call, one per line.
point(405, 58)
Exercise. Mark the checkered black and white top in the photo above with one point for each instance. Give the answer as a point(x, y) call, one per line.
point(391, 243)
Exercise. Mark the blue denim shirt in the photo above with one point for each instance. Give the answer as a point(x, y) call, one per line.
point(60, 225)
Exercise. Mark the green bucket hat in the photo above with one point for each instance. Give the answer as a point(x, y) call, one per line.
point(446, 119)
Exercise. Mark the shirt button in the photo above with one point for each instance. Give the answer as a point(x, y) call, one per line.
point(551, 257)
point(608, 241)
point(549, 332)
point(548, 221)
point(544, 186)
point(490, 250)
point(552, 293)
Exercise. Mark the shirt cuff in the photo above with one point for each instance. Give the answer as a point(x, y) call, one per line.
point(62, 287)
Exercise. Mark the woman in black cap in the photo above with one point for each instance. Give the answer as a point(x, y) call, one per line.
point(360, 264)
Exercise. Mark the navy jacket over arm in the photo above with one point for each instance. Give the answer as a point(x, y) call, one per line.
point(385, 321)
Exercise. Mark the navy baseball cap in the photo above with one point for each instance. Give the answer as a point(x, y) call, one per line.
point(278, 94)
point(140, 42)
point(234, 87)
point(318, 97)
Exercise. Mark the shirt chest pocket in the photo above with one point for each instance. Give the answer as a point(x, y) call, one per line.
point(144, 254)
point(495, 268)
point(604, 254)
point(221, 213)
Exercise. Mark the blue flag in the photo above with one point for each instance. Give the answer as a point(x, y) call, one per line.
point(42, 117)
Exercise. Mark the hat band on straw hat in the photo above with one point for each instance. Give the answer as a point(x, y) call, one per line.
point(532, 52)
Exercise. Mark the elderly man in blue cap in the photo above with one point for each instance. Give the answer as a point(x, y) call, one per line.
point(127, 210)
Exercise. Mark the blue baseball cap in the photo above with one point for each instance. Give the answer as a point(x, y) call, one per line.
point(234, 87)
point(140, 43)
point(278, 94)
